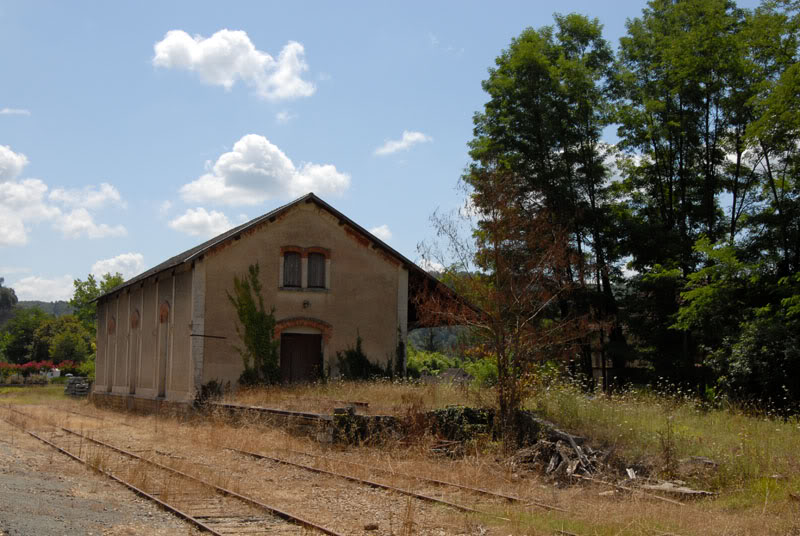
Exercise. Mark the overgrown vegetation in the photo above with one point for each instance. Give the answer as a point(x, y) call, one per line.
point(675, 250)
point(422, 363)
point(354, 364)
point(256, 329)
point(29, 336)
point(665, 427)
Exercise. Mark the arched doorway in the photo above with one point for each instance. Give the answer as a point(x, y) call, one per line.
point(302, 345)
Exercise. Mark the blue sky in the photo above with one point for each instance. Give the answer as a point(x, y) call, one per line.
point(131, 132)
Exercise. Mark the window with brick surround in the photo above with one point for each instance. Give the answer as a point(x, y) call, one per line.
point(316, 270)
point(292, 269)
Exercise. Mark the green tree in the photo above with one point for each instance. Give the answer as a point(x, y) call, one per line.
point(8, 299)
point(43, 338)
point(256, 330)
point(684, 89)
point(61, 339)
point(540, 136)
point(82, 301)
point(20, 330)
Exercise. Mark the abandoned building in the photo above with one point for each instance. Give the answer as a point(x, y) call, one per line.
point(166, 332)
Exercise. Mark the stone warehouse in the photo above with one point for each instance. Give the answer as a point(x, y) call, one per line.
point(171, 329)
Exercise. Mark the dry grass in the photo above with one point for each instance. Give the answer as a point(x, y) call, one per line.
point(757, 456)
point(383, 397)
point(749, 450)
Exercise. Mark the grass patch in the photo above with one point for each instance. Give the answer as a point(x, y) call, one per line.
point(662, 430)
point(32, 394)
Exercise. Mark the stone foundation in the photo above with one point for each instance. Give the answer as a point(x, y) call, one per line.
point(121, 402)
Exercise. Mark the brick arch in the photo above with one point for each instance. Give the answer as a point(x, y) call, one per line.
point(304, 322)
point(322, 251)
point(293, 249)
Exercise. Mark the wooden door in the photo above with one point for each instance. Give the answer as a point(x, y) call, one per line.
point(301, 357)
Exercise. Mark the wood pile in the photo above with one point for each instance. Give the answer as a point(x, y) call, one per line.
point(560, 459)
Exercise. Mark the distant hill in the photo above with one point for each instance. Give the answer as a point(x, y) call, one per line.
point(56, 308)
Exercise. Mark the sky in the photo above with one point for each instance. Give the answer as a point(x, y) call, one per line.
point(130, 132)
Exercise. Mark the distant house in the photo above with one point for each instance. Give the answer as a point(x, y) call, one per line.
point(171, 329)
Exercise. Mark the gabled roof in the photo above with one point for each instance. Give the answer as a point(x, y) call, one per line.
point(198, 251)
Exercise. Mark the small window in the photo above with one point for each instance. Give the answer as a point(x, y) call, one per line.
point(291, 269)
point(316, 270)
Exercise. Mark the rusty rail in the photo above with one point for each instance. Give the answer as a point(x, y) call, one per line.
point(510, 498)
point(98, 417)
point(271, 509)
point(243, 498)
point(370, 483)
point(183, 515)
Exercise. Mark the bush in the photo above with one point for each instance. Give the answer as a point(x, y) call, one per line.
point(483, 370)
point(86, 369)
point(354, 364)
point(422, 363)
point(763, 364)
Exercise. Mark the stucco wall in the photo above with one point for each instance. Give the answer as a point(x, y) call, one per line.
point(362, 297)
point(121, 368)
point(129, 356)
point(181, 378)
point(146, 380)
point(100, 364)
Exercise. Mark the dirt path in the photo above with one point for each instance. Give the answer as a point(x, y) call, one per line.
point(44, 493)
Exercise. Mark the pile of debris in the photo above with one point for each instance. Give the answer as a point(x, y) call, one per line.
point(78, 386)
point(560, 459)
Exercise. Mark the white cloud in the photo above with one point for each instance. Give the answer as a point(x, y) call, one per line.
point(128, 264)
point(11, 270)
point(283, 117)
point(199, 222)
point(22, 203)
point(14, 111)
point(431, 266)
point(164, 208)
point(11, 163)
point(256, 170)
point(89, 197)
point(25, 202)
point(79, 221)
point(228, 56)
point(409, 138)
point(383, 232)
point(40, 288)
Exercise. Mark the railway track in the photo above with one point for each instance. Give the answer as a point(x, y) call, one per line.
point(206, 505)
point(369, 483)
point(393, 474)
point(431, 481)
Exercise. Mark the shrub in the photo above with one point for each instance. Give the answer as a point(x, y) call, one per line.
point(256, 328)
point(354, 364)
point(86, 369)
point(421, 362)
point(483, 370)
